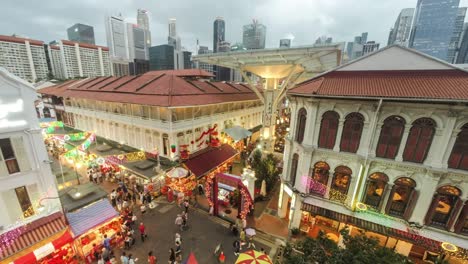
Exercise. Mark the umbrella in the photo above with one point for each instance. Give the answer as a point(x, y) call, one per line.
point(263, 188)
point(253, 257)
point(177, 173)
point(191, 260)
point(250, 232)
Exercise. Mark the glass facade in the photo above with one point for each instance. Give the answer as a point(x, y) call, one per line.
point(81, 33)
point(433, 27)
point(161, 57)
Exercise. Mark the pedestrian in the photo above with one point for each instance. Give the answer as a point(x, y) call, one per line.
point(131, 260)
point(179, 221)
point(142, 232)
point(106, 242)
point(250, 242)
point(178, 251)
point(237, 247)
point(113, 196)
point(178, 239)
point(242, 236)
point(172, 256)
point(244, 223)
point(151, 258)
point(127, 241)
point(124, 258)
point(100, 176)
point(100, 260)
point(143, 209)
point(95, 251)
point(95, 177)
point(186, 206)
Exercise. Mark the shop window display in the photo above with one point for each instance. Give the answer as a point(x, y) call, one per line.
point(375, 188)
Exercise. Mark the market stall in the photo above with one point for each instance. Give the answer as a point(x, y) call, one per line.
point(180, 180)
point(90, 224)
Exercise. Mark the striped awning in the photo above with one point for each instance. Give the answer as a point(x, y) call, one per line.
point(91, 216)
point(31, 234)
point(428, 243)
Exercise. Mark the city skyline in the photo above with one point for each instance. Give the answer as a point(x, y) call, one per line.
point(315, 19)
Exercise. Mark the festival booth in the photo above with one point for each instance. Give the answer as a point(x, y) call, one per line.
point(235, 136)
point(180, 181)
point(89, 225)
point(45, 240)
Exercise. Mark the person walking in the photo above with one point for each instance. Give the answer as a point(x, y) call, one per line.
point(186, 206)
point(179, 221)
point(172, 256)
point(151, 258)
point(177, 239)
point(131, 260)
point(113, 197)
point(143, 209)
point(178, 252)
point(237, 247)
point(124, 258)
point(106, 243)
point(142, 232)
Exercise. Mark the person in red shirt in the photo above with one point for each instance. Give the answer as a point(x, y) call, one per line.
point(151, 258)
point(142, 232)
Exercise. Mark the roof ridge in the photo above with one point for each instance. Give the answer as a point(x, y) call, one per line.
point(214, 86)
point(127, 81)
point(106, 78)
point(148, 82)
point(113, 81)
point(230, 84)
point(195, 85)
point(85, 82)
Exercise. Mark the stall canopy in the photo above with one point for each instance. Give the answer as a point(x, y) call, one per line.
point(91, 216)
point(237, 133)
point(31, 234)
point(178, 173)
point(202, 163)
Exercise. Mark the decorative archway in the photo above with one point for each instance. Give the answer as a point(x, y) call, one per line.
point(245, 199)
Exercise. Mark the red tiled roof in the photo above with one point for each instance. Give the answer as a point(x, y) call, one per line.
point(21, 40)
point(83, 45)
point(421, 84)
point(205, 162)
point(158, 88)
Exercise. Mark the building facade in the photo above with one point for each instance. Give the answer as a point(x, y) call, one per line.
point(388, 160)
point(116, 34)
point(205, 66)
point(254, 35)
point(136, 37)
point(24, 58)
point(81, 33)
point(159, 110)
point(462, 55)
point(74, 60)
point(162, 57)
point(285, 43)
point(218, 33)
point(143, 22)
point(25, 174)
point(400, 32)
point(433, 27)
point(370, 47)
point(457, 35)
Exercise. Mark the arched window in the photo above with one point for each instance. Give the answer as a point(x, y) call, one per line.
point(402, 198)
point(319, 179)
point(340, 183)
point(419, 140)
point(294, 163)
point(390, 137)
point(301, 124)
point(445, 204)
point(375, 189)
point(462, 224)
point(459, 157)
point(328, 130)
point(352, 131)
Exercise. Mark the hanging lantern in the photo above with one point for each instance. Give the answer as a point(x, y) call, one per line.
point(173, 148)
point(191, 142)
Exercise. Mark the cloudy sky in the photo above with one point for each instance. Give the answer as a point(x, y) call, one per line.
point(306, 20)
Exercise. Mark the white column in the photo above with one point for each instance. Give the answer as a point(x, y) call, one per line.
point(375, 140)
point(293, 121)
point(426, 192)
point(78, 59)
point(450, 145)
point(31, 61)
point(310, 124)
point(302, 170)
point(401, 149)
point(338, 135)
point(329, 183)
point(365, 139)
point(441, 144)
point(386, 196)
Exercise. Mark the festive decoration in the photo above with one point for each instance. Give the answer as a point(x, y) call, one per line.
point(51, 127)
point(449, 247)
point(127, 157)
point(173, 148)
point(8, 238)
point(184, 152)
point(253, 257)
point(208, 132)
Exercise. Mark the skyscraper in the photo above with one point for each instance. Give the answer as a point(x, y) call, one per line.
point(162, 57)
point(81, 33)
point(218, 33)
point(201, 65)
point(400, 32)
point(254, 35)
point(137, 48)
point(143, 22)
point(360, 46)
point(462, 56)
point(456, 36)
point(116, 37)
point(433, 27)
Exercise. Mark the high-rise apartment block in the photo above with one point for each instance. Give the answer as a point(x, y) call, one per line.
point(369, 47)
point(400, 32)
point(456, 36)
point(433, 27)
point(218, 33)
point(81, 33)
point(254, 35)
point(360, 46)
point(143, 22)
point(205, 66)
point(24, 58)
point(74, 60)
point(136, 41)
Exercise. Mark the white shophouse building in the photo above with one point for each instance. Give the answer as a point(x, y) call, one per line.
point(158, 110)
point(381, 145)
point(25, 174)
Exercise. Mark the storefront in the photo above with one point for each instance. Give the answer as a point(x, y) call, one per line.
point(315, 219)
point(90, 224)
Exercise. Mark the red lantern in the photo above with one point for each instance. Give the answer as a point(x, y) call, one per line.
point(173, 148)
point(191, 142)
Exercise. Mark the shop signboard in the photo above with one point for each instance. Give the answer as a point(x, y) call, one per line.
point(44, 251)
